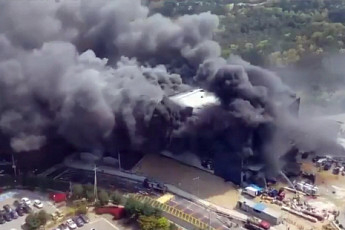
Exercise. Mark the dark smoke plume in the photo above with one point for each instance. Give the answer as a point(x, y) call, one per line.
point(91, 69)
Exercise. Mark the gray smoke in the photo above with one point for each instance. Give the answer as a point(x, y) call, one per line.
point(86, 68)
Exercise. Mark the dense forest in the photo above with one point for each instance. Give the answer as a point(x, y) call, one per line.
point(302, 40)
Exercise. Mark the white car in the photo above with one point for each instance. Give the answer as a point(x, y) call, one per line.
point(71, 224)
point(26, 201)
point(38, 204)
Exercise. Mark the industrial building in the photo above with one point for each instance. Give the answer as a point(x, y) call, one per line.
point(261, 211)
point(229, 163)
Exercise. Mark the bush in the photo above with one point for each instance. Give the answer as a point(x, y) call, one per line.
point(43, 217)
point(153, 223)
point(77, 191)
point(82, 209)
point(116, 198)
point(133, 207)
point(34, 221)
point(103, 197)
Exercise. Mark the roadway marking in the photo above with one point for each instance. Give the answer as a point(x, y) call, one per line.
point(165, 198)
point(105, 220)
point(111, 224)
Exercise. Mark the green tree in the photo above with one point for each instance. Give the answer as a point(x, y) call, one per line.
point(82, 209)
point(90, 195)
point(42, 216)
point(153, 223)
point(133, 207)
point(77, 191)
point(163, 223)
point(32, 221)
point(103, 197)
point(116, 197)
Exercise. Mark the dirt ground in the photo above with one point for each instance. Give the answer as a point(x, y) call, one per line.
point(195, 181)
point(215, 190)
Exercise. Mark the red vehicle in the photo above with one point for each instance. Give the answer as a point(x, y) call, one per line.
point(58, 197)
point(116, 212)
point(259, 223)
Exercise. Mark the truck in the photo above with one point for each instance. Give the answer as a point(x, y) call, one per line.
point(154, 185)
point(250, 226)
point(253, 192)
point(306, 188)
point(259, 223)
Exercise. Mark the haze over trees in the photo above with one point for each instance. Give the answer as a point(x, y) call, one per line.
point(299, 39)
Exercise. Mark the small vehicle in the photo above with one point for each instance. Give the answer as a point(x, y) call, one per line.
point(63, 227)
point(27, 209)
point(327, 166)
point(79, 222)
point(16, 203)
point(7, 208)
point(14, 214)
point(20, 211)
point(26, 200)
point(70, 223)
point(84, 218)
point(155, 185)
point(2, 220)
point(38, 204)
point(7, 217)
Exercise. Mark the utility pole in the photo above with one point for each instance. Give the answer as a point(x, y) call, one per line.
point(119, 159)
point(14, 165)
point(95, 184)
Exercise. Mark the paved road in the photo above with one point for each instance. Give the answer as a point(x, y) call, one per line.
point(115, 182)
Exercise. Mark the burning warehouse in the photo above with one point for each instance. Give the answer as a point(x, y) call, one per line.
point(102, 78)
point(192, 147)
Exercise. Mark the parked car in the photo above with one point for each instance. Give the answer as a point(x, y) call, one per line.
point(327, 166)
point(7, 208)
point(71, 224)
point(20, 211)
point(38, 204)
point(84, 218)
point(14, 214)
point(26, 201)
point(27, 209)
point(79, 222)
point(2, 219)
point(7, 216)
point(16, 203)
point(63, 227)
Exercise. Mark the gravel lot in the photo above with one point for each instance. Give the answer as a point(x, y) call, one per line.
point(9, 197)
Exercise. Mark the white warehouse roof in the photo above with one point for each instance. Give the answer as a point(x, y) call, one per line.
point(196, 99)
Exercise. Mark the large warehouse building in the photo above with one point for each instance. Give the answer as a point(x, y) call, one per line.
point(230, 166)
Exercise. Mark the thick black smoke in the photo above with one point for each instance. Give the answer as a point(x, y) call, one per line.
point(89, 68)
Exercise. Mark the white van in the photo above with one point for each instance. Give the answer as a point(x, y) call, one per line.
point(253, 192)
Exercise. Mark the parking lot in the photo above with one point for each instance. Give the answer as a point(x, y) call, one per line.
point(10, 196)
point(99, 224)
